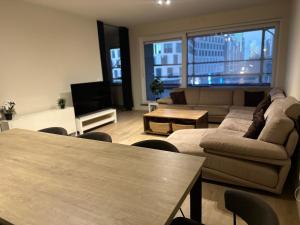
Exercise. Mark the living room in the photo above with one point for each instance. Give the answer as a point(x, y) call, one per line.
point(185, 75)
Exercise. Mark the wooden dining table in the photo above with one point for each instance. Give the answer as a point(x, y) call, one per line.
point(47, 179)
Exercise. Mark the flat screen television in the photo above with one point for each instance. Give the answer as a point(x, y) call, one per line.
point(90, 97)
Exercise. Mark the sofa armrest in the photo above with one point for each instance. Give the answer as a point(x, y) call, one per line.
point(166, 100)
point(244, 148)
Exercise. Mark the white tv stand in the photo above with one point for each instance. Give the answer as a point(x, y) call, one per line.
point(39, 120)
point(95, 119)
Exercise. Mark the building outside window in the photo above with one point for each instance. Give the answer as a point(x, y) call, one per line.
point(116, 65)
point(163, 60)
point(168, 48)
point(158, 72)
point(178, 47)
point(233, 58)
point(170, 71)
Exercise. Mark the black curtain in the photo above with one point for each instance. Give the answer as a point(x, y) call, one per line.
point(103, 52)
point(123, 35)
point(149, 65)
point(126, 68)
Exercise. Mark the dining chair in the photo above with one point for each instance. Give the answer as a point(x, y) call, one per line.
point(98, 136)
point(55, 130)
point(251, 209)
point(157, 144)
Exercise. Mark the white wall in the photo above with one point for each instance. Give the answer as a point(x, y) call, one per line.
point(43, 51)
point(277, 11)
point(293, 68)
point(292, 85)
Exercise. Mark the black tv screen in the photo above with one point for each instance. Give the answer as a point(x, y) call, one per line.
point(90, 97)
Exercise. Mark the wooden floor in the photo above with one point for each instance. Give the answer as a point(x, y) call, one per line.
point(129, 130)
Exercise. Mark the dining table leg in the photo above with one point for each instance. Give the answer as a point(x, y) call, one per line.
point(196, 200)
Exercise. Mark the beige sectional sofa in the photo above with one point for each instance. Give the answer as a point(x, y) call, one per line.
point(217, 101)
point(263, 163)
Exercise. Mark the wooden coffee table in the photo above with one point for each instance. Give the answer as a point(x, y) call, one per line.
point(166, 121)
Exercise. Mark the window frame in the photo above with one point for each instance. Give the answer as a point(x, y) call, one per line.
point(161, 38)
point(260, 60)
point(184, 34)
point(164, 53)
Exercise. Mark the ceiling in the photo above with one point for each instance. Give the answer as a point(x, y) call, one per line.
point(134, 12)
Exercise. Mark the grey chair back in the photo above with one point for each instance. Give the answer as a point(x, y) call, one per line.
point(157, 144)
point(251, 209)
point(55, 130)
point(98, 136)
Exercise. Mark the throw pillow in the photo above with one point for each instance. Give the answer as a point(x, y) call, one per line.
point(252, 99)
point(256, 126)
point(263, 105)
point(178, 98)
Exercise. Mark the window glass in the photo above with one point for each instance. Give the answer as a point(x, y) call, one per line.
point(163, 60)
point(116, 65)
point(233, 58)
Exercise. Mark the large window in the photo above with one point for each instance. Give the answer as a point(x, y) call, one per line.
point(163, 60)
point(116, 65)
point(232, 58)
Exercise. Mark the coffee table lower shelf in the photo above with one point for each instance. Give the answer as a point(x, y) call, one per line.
point(166, 126)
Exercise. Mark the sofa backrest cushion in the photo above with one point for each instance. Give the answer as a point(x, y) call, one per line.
point(276, 106)
point(277, 93)
point(217, 96)
point(192, 95)
point(292, 142)
point(291, 107)
point(238, 97)
point(211, 96)
point(277, 129)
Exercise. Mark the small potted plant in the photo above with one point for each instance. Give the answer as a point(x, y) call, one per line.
point(8, 110)
point(61, 102)
point(157, 87)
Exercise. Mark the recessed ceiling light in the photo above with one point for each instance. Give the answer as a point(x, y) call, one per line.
point(160, 2)
point(164, 2)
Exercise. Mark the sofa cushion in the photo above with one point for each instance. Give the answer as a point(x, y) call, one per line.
point(215, 97)
point(166, 100)
point(292, 142)
point(236, 124)
point(256, 126)
point(192, 95)
point(247, 170)
point(192, 138)
point(178, 98)
point(277, 129)
point(242, 148)
point(241, 112)
point(213, 110)
point(276, 106)
point(277, 93)
point(291, 107)
point(252, 99)
point(173, 106)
